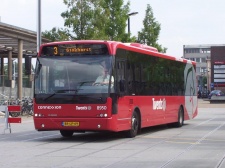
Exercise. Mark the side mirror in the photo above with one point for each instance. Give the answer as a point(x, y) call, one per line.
point(28, 65)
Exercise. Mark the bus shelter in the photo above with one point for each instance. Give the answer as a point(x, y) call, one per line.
point(16, 43)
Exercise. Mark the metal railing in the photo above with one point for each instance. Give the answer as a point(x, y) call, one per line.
point(9, 88)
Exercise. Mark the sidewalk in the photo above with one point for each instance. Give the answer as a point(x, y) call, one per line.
point(206, 104)
point(25, 125)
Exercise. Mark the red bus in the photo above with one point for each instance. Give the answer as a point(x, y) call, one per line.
point(145, 88)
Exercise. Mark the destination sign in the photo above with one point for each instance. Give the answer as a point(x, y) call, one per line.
point(74, 49)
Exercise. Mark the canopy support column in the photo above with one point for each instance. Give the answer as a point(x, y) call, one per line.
point(20, 70)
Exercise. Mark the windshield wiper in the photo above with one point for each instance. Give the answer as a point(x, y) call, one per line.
point(61, 91)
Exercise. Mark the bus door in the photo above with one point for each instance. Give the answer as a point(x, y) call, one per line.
point(123, 99)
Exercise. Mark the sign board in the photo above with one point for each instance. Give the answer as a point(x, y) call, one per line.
point(212, 85)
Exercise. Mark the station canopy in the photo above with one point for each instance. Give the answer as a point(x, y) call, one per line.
point(9, 36)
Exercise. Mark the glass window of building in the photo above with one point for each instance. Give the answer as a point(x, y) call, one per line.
point(192, 50)
point(198, 70)
point(197, 50)
point(206, 50)
point(197, 59)
point(203, 60)
point(203, 70)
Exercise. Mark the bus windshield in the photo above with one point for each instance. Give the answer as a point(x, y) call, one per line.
point(71, 76)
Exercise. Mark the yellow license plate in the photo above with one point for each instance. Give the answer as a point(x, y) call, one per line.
point(71, 124)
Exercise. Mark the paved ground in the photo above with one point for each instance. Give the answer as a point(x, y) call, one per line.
point(203, 103)
point(198, 144)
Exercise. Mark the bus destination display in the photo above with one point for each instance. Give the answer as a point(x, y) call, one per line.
point(74, 49)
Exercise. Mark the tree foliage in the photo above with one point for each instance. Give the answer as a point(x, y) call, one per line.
point(91, 19)
point(117, 15)
point(57, 34)
point(150, 33)
point(105, 20)
point(79, 17)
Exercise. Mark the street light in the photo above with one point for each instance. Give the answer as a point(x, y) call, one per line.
point(38, 25)
point(130, 14)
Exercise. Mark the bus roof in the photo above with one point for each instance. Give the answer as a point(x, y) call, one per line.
point(113, 45)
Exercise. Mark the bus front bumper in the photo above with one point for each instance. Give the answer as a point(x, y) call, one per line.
point(76, 124)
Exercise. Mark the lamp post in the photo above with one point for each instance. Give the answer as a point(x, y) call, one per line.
point(38, 25)
point(130, 14)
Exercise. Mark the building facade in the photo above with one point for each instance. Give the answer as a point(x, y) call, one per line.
point(218, 67)
point(210, 66)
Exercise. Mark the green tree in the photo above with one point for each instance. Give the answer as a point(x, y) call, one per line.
point(150, 33)
point(117, 15)
point(105, 20)
point(79, 17)
point(91, 19)
point(99, 22)
point(57, 34)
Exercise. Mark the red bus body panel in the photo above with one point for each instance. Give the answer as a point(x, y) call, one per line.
point(54, 115)
point(154, 110)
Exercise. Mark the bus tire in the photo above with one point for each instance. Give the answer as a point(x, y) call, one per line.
point(66, 133)
point(180, 121)
point(135, 124)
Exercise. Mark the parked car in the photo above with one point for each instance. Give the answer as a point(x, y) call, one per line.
point(216, 93)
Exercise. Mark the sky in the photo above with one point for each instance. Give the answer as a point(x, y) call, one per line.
point(183, 22)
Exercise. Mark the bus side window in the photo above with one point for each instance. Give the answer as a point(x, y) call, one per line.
point(121, 76)
point(129, 75)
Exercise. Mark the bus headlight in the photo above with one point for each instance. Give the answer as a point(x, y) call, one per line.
point(103, 115)
point(38, 115)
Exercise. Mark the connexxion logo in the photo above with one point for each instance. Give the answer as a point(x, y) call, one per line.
point(159, 104)
point(50, 107)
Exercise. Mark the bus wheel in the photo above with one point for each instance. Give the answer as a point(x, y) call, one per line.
point(134, 125)
point(66, 133)
point(180, 121)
